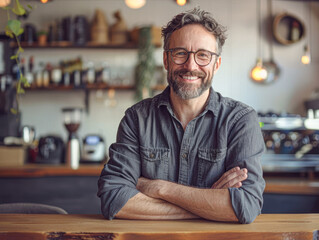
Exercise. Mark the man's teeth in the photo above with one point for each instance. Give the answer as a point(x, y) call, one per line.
point(190, 77)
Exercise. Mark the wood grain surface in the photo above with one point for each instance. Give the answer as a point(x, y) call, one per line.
point(266, 226)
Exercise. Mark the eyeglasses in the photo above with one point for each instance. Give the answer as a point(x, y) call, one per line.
point(201, 57)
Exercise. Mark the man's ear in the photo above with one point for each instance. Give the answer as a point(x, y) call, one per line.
point(217, 64)
point(165, 60)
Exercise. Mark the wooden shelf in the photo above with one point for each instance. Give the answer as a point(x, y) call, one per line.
point(95, 86)
point(69, 45)
point(44, 170)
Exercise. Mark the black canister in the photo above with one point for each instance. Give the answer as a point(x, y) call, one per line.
point(68, 29)
point(30, 34)
point(81, 30)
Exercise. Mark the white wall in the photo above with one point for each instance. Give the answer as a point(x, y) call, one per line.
point(295, 84)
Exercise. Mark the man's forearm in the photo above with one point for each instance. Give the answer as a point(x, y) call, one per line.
point(143, 207)
point(212, 204)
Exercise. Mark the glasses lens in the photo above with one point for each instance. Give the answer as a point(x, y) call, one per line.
point(203, 57)
point(179, 56)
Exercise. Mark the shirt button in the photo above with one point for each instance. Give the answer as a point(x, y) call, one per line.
point(152, 155)
point(184, 155)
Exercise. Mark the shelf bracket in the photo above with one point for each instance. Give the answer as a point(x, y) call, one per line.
point(86, 100)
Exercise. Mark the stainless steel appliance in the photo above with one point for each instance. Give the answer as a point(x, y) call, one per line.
point(50, 150)
point(72, 122)
point(93, 150)
point(28, 134)
point(291, 145)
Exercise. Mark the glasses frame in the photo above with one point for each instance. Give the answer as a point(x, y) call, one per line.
point(189, 52)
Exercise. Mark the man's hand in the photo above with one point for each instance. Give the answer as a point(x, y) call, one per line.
point(231, 179)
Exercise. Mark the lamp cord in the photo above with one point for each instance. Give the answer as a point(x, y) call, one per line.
point(259, 44)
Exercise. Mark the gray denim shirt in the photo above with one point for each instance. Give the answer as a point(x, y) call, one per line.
point(152, 143)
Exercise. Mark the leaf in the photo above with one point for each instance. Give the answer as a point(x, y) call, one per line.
point(18, 9)
point(13, 111)
point(14, 25)
point(9, 32)
point(29, 6)
point(21, 30)
point(20, 50)
point(23, 79)
point(14, 57)
point(26, 84)
point(20, 90)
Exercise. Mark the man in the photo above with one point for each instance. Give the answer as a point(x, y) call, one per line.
point(188, 152)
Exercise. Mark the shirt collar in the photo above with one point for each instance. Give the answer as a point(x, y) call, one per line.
point(213, 103)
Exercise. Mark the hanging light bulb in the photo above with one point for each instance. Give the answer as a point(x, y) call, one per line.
point(44, 1)
point(259, 73)
point(135, 4)
point(181, 2)
point(306, 57)
point(4, 3)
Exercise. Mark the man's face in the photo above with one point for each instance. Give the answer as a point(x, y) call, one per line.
point(189, 80)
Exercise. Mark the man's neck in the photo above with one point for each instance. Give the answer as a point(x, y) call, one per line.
point(187, 110)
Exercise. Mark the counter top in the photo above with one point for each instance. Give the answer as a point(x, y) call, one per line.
point(51, 226)
point(44, 170)
point(274, 184)
point(289, 185)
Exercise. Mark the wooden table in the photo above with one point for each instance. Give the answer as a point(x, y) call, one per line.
point(266, 226)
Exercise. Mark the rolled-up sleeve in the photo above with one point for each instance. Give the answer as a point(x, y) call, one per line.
point(117, 183)
point(245, 147)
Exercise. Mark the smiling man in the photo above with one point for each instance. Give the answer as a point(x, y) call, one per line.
point(188, 152)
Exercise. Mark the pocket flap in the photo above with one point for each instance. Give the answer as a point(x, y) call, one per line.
point(212, 155)
point(154, 154)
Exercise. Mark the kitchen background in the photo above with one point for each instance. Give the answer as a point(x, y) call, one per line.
point(295, 84)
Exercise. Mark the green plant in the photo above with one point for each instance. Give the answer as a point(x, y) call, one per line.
point(42, 32)
point(14, 30)
point(146, 64)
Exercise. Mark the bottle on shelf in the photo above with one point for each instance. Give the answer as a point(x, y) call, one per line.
point(29, 74)
point(56, 75)
point(46, 75)
point(103, 75)
point(39, 75)
point(88, 73)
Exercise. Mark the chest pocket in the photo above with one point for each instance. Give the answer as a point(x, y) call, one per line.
point(211, 165)
point(155, 162)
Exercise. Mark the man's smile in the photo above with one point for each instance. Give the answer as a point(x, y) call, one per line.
point(189, 78)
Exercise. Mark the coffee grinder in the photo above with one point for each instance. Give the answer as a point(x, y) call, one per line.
point(72, 121)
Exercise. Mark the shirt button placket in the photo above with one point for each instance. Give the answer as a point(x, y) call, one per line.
point(183, 172)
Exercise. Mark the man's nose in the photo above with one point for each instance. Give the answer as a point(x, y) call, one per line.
point(190, 64)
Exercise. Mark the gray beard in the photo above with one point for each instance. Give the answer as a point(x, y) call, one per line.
point(187, 91)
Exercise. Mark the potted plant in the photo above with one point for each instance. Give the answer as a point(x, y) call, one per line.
point(42, 37)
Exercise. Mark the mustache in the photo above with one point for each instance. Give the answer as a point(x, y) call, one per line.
point(189, 73)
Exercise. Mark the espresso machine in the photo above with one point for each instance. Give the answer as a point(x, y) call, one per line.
point(72, 122)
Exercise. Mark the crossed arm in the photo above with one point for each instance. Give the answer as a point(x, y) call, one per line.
point(160, 199)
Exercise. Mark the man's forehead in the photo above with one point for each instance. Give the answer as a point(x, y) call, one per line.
point(193, 36)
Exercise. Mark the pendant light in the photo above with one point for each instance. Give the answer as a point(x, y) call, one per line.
point(4, 3)
point(306, 57)
point(181, 2)
point(135, 4)
point(259, 72)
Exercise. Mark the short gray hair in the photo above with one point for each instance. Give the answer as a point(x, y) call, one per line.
point(195, 16)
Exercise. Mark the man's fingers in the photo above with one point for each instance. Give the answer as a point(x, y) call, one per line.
point(222, 178)
point(231, 178)
point(235, 181)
